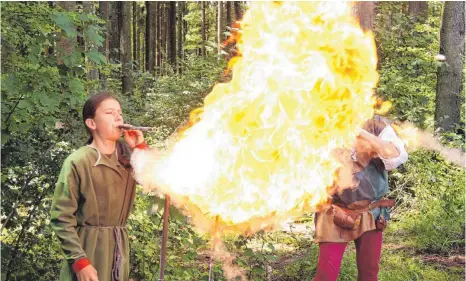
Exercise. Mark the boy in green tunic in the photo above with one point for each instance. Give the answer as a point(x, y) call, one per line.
point(94, 196)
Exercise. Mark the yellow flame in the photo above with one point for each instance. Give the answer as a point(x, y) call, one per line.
point(261, 147)
point(382, 107)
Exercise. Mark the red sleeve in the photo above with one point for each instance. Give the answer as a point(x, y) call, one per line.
point(80, 264)
point(142, 145)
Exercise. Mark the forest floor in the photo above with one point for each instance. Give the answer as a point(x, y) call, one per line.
point(297, 258)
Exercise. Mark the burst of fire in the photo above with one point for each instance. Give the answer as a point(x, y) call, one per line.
point(260, 150)
point(409, 134)
point(382, 107)
point(415, 138)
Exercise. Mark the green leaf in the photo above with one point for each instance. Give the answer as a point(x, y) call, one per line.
point(13, 126)
point(27, 105)
point(33, 59)
point(24, 127)
point(96, 57)
point(76, 86)
point(35, 50)
point(65, 22)
point(248, 252)
point(176, 215)
point(92, 35)
point(44, 99)
point(83, 17)
point(49, 122)
point(10, 84)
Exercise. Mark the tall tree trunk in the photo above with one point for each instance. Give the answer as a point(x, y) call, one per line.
point(160, 36)
point(79, 29)
point(142, 36)
point(203, 25)
point(157, 36)
point(166, 33)
point(419, 10)
point(151, 25)
point(147, 36)
point(364, 12)
point(228, 13)
point(64, 45)
point(153, 30)
point(208, 27)
point(163, 36)
point(115, 29)
point(103, 11)
point(67, 5)
point(238, 11)
point(172, 34)
point(135, 35)
point(92, 72)
point(219, 26)
point(104, 49)
point(51, 50)
point(185, 23)
point(125, 47)
point(449, 74)
point(180, 35)
point(140, 27)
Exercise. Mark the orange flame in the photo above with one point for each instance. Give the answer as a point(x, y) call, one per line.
point(261, 151)
point(382, 107)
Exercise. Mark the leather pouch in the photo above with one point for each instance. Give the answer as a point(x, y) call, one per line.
point(345, 218)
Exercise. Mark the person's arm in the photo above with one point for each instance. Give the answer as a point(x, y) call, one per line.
point(385, 149)
point(135, 139)
point(388, 146)
point(389, 135)
point(63, 218)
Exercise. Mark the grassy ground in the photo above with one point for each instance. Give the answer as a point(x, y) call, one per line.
point(297, 259)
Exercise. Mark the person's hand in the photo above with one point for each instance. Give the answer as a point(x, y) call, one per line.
point(372, 145)
point(87, 274)
point(133, 137)
point(367, 141)
point(365, 147)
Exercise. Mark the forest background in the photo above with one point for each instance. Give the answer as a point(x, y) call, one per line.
point(161, 59)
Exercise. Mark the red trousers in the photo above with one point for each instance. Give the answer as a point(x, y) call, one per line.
point(368, 250)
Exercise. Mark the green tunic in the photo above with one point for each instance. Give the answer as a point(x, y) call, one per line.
point(91, 204)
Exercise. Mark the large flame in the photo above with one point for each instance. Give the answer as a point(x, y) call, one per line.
point(261, 149)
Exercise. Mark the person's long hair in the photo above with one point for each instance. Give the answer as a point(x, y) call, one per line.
point(89, 109)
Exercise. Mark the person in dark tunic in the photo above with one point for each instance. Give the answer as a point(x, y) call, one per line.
point(94, 196)
point(377, 150)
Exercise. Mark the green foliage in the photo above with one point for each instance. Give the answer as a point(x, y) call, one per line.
point(39, 77)
point(167, 100)
point(145, 227)
point(194, 18)
point(44, 82)
point(29, 175)
point(255, 253)
point(408, 69)
point(432, 215)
